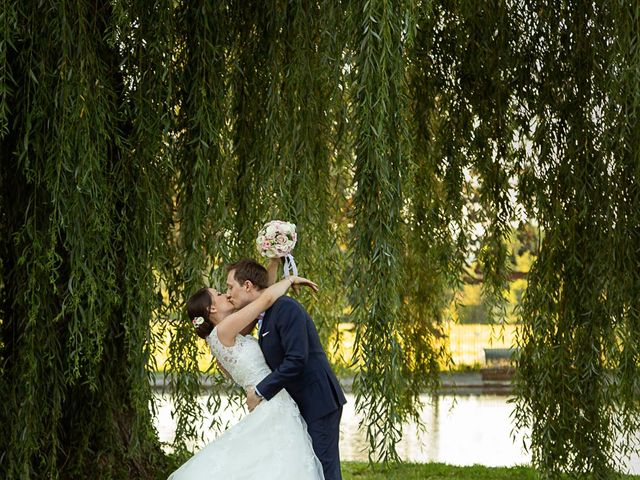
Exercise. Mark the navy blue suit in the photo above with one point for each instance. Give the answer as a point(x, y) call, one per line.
point(291, 346)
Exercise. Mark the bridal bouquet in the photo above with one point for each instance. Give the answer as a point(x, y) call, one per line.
point(276, 240)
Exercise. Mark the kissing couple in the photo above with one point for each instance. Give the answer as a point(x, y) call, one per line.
point(294, 398)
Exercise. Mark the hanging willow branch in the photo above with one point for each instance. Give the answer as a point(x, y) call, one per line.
point(380, 147)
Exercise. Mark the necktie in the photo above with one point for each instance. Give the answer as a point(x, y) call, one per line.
point(260, 317)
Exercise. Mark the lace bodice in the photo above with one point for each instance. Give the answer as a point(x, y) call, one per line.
point(244, 360)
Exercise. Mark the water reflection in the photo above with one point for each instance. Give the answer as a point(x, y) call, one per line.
point(462, 430)
point(459, 431)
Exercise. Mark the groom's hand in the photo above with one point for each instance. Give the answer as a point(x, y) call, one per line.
point(252, 399)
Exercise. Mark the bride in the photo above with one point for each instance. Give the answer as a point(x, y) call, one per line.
point(271, 442)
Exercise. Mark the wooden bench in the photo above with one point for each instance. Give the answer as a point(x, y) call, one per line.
point(499, 355)
point(499, 363)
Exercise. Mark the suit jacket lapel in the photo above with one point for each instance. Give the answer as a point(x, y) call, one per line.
point(265, 324)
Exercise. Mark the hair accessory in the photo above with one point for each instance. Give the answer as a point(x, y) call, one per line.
point(197, 321)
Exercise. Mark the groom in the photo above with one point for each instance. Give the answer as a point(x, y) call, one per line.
point(291, 346)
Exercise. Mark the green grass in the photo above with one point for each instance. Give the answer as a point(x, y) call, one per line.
point(437, 471)
point(414, 471)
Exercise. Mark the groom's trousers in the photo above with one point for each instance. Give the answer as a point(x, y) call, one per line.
point(325, 436)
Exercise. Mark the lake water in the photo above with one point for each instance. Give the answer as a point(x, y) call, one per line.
point(460, 430)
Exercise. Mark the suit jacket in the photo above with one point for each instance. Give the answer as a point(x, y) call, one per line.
point(291, 346)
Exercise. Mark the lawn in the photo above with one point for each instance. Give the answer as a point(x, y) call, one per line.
point(415, 471)
point(436, 471)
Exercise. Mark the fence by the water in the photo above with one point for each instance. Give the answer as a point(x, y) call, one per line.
point(465, 342)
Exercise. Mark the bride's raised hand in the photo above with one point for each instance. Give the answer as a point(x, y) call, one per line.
point(297, 281)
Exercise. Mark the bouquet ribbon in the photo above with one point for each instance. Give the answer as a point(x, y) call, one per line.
point(290, 264)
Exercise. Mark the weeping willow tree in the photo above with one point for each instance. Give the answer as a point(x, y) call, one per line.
point(145, 142)
point(85, 216)
point(578, 374)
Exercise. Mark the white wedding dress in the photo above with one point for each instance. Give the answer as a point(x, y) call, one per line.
point(270, 443)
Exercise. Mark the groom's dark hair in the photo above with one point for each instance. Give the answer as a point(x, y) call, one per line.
point(249, 269)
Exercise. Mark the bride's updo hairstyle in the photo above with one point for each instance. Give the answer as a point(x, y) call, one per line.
point(197, 306)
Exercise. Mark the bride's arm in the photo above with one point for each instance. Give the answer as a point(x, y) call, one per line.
point(272, 270)
point(229, 327)
point(223, 370)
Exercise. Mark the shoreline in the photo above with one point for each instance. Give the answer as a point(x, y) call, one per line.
point(458, 383)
